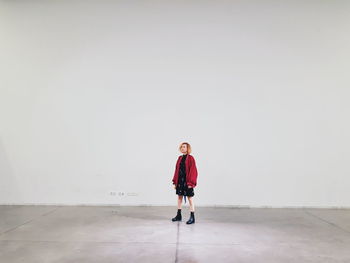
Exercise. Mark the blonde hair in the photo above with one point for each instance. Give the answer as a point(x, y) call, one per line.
point(189, 149)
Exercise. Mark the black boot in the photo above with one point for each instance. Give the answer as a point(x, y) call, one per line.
point(191, 220)
point(178, 217)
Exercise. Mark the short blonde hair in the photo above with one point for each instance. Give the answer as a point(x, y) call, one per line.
point(189, 149)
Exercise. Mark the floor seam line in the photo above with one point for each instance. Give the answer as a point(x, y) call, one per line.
point(177, 243)
point(328, 222)
point(11, 229)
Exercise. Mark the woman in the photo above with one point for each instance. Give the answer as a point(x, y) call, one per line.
point(184, 180)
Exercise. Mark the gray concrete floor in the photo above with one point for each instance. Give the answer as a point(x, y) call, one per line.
point(147, 234)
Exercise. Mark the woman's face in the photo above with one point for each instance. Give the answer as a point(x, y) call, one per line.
point(183, 148)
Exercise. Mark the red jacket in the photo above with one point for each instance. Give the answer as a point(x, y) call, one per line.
point(191, 171)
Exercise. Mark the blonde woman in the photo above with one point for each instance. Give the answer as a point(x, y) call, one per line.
point(185, 180)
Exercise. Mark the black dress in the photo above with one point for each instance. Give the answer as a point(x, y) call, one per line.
point(182, 188)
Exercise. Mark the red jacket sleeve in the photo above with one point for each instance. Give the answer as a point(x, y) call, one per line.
point(193, 173)
point(176, 171)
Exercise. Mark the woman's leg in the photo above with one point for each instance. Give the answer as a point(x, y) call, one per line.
point(190, 199)
point(179, 201)
point(178, 216)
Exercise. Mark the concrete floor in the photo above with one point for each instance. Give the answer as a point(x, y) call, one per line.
point(147, 234)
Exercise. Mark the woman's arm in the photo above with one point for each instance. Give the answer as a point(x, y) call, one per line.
point(176, 171)
point(193, 174)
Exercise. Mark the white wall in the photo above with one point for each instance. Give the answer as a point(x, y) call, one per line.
point(95, 96)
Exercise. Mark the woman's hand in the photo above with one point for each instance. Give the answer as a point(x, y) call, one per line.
point(189, 186)
point(174, 186)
